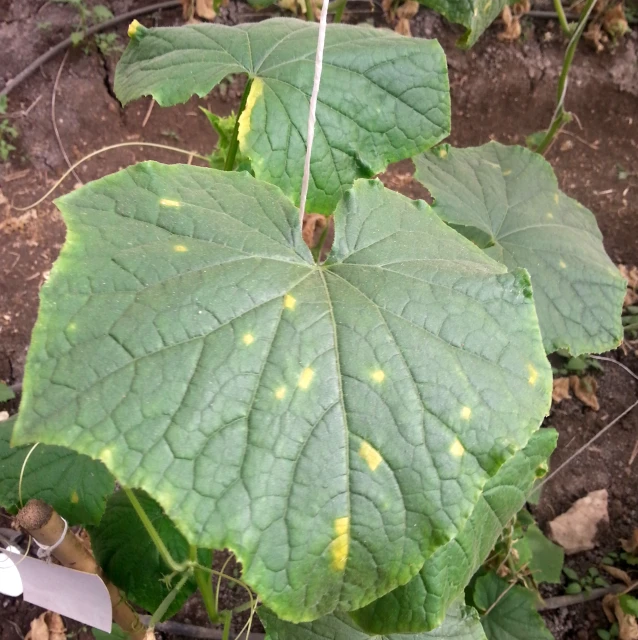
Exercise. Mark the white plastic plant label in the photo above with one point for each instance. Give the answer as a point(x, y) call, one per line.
point(73, 594)
point(10, 580)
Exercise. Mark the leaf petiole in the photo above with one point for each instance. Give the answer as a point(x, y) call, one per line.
point(205, 586)
point(155, 537)
point(160, 612)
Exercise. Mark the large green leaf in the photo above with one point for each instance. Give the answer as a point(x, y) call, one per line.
point(130, 559)
point(508, 200)
point(461, 623)
point(421, 604)
point(474, 15)
point(333, 425)
point(74, 485)
point(397, 101)
point(508, 613)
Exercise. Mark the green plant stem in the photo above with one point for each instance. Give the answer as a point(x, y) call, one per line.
point(160, 612)
point(560, 116)
point(310, 10)
point(152, 532)
point(228, 616)
point(562, 19)
point(338, 7)
point(234, 142)
point(205, 586)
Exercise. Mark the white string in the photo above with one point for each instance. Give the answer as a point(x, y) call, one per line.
point(312, 113)
point(45, 551)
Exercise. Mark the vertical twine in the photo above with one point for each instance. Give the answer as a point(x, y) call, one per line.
point(312, 113)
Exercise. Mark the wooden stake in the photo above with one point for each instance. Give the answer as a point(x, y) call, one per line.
point(45, 526)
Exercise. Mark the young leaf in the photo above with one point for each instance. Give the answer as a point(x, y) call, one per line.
point(74, 485)
point(511, 195)
point(547, 558)
point(628, 604)
point(332, 425)
point(571, 574)
point(129, 558)
point(224, 128)
point(421, 604)
point(512, 611)
point(6, 393)
point(461, 623)
point(397, 101)
point(474, 15)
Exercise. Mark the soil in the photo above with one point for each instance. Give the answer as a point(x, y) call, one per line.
point(501, 91)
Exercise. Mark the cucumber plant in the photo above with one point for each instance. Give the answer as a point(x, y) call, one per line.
point(357, 431)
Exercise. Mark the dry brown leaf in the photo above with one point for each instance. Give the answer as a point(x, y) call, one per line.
point(631, 546)
point(47, 626)
point(614, 21)
point(188, 9)
point(313, 226)
point(596, 37)
point(512, 24)
point(617, 573)
point(631, 275)
point(608, 608)
point(575, 530)
point(560, 390)
point(408, 10)
point(521, 8)
point(585, 390)
point(388, 9)
point(204, 9)
point(627, 624)
point(403, 27)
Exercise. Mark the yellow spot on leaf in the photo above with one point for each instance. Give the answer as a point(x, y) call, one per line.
point(75, 498)
point(556, 198)
point(370, 455)
point(442, 153)
point(248, 339)
point(562, 264)
point(507, 172)
point(305, 378)
point(72, 326)
point(340, 545)
point(290, 302)
point(133, 27)
point(533, 375)
point(549, 215)
point(466, 412)
point(180, 248)
point(106, 456)
point(170, 203)
point(457, 449)
point(280, 393)
point(487, 6)
point(378, 375)
point(256, 91)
